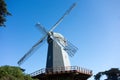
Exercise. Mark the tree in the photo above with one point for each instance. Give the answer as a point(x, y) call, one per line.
point(13, 73)
point(112, 74)
point(3, 13)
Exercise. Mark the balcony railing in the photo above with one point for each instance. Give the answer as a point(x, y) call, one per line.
point(62, 69)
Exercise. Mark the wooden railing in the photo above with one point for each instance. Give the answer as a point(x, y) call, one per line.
point(62, 69)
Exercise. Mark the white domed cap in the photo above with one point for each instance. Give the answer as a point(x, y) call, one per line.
point(58, 35)
point(60, 38)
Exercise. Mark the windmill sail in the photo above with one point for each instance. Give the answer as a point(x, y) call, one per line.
point(41, 28)
point(31, 51)
point(70, 48)
point(60, 20)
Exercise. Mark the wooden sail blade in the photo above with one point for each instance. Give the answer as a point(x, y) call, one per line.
point(31, 51)
point(41, 28)
point(61, 19)
point(70, 48)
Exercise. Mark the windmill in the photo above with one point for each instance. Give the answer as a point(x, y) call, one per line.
point(58, 47)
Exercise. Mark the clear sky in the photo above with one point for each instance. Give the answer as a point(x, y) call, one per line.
point(93, 26)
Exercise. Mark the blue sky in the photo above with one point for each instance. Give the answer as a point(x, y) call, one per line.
point(93, 26)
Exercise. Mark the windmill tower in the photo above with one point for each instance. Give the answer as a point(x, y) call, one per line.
point(57, 57)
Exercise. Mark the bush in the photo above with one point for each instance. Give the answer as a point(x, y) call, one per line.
point(13, 73)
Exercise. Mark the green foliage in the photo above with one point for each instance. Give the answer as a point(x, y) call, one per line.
point(13, 73)
point(112, 74)
point(3, 12)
